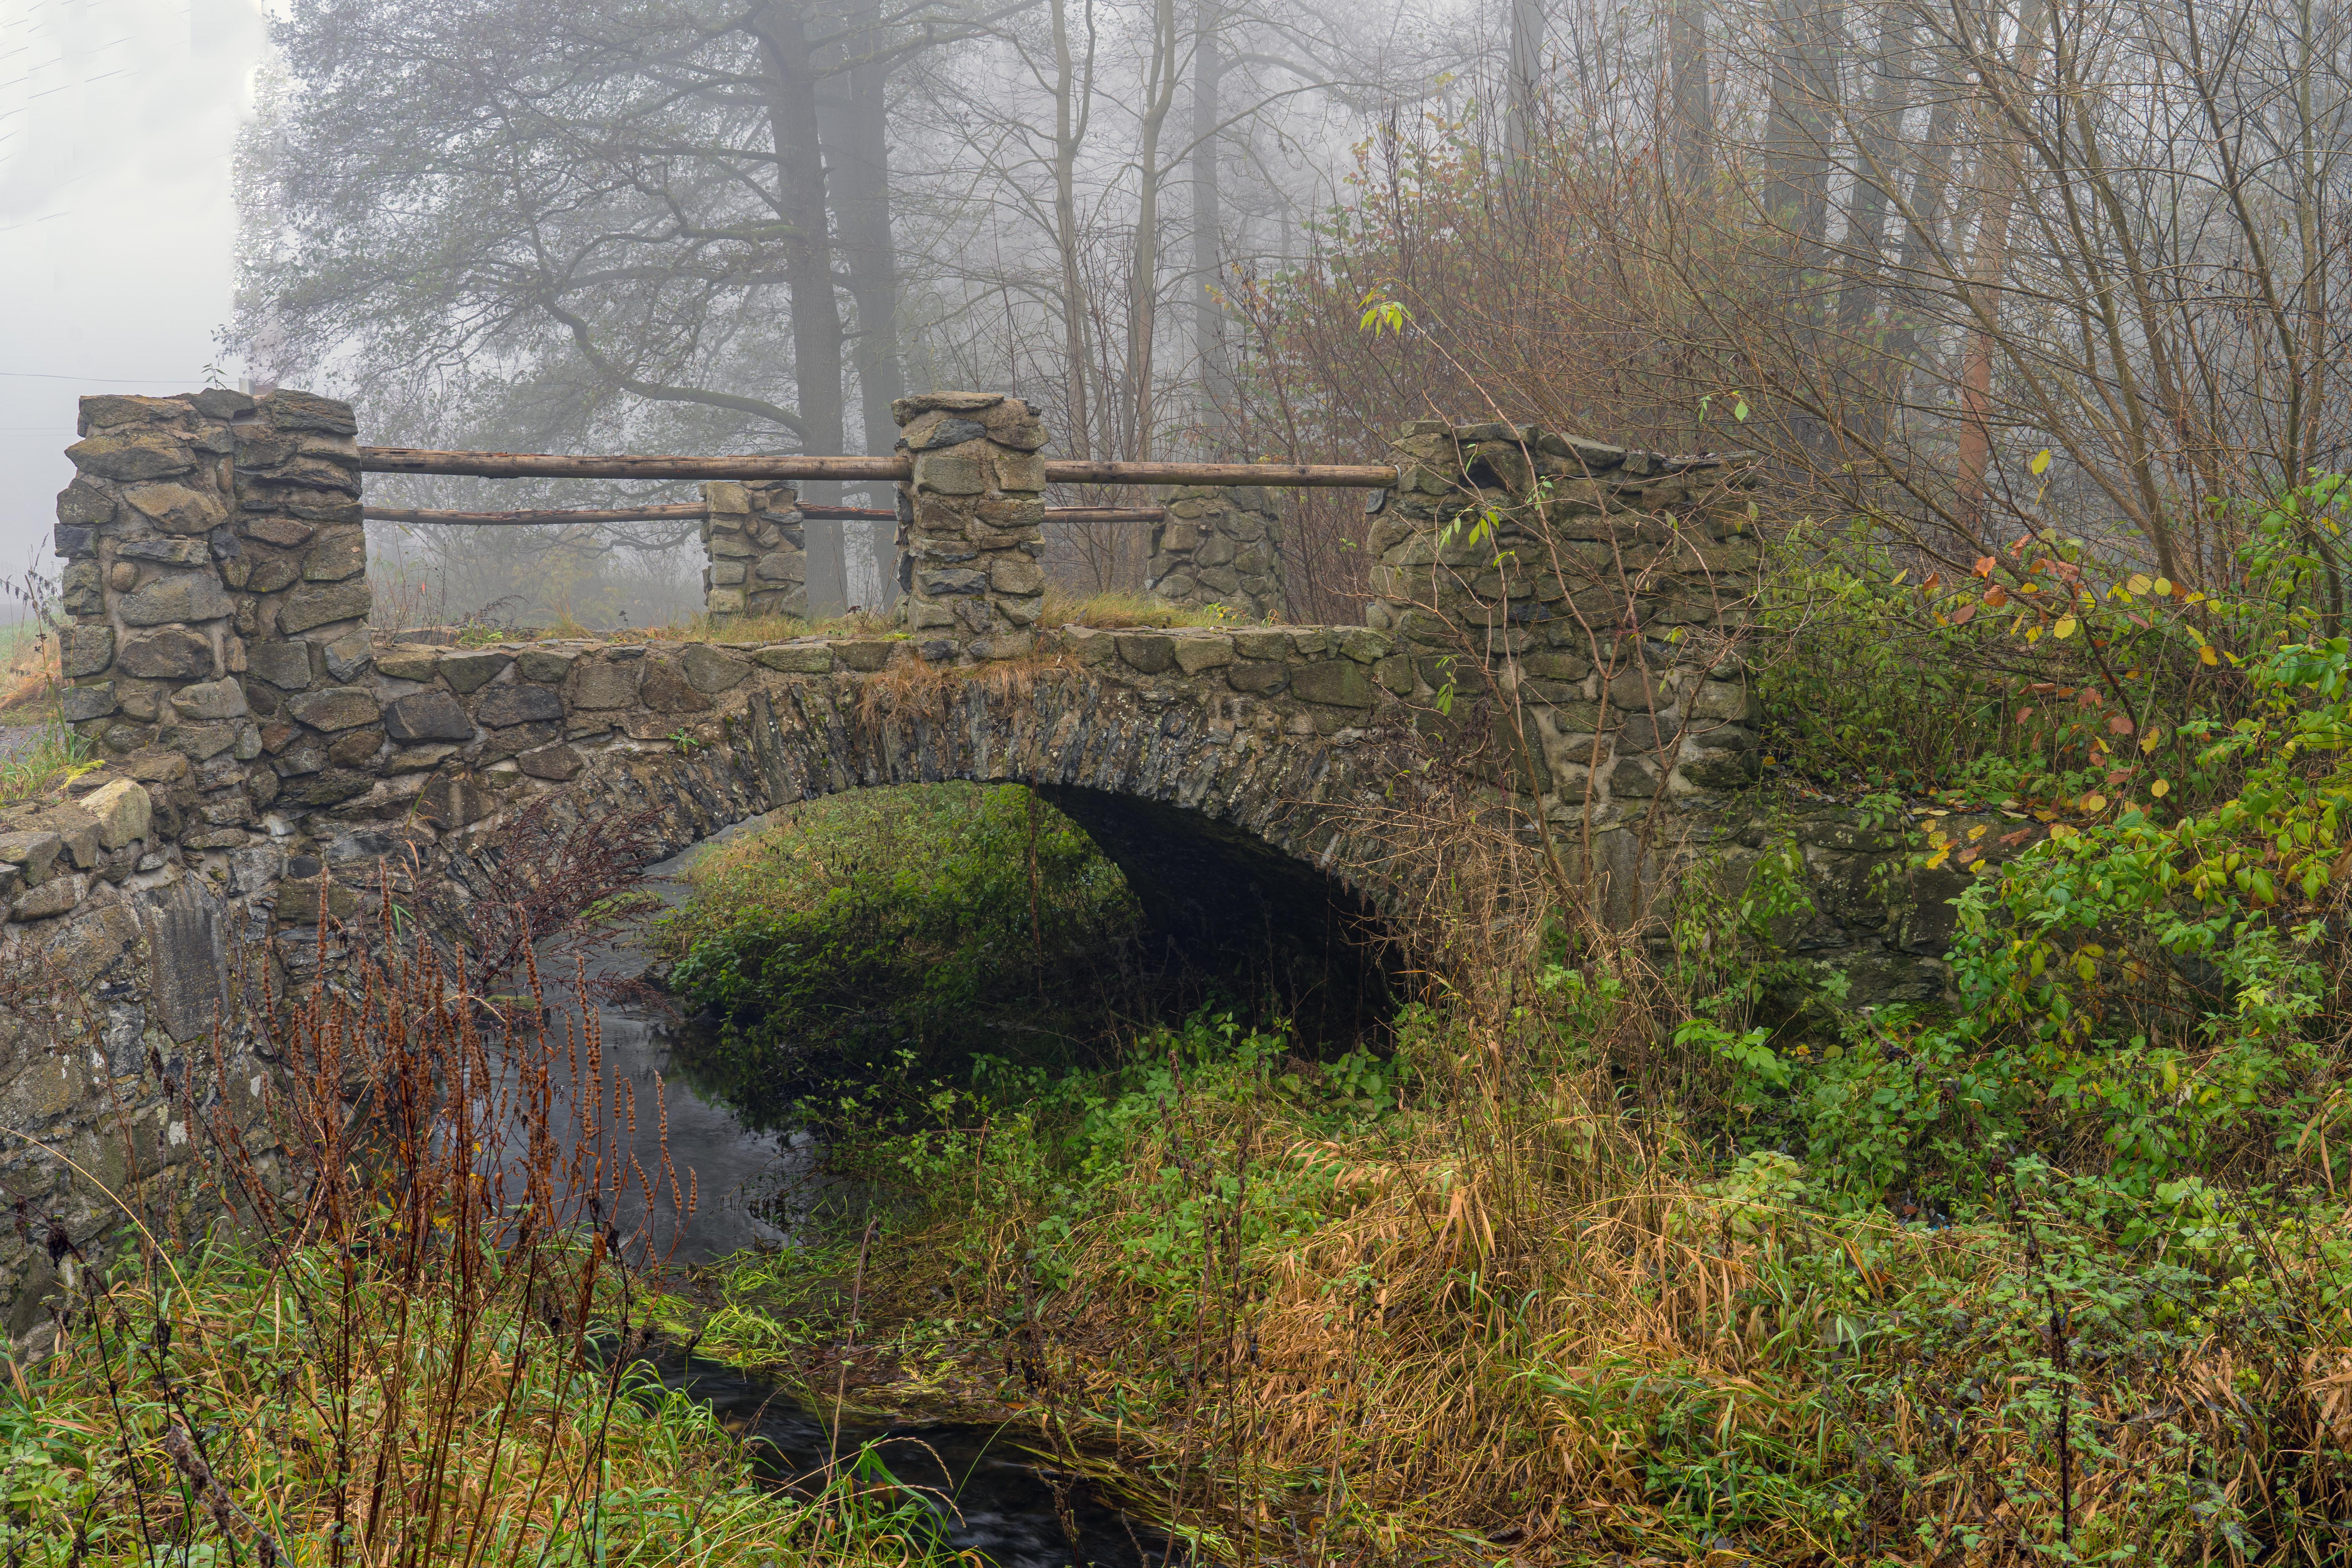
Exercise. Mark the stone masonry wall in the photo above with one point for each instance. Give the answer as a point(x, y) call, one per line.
point(216, 577)
point(974, 524)
point(758, 548)
point(1219, 547)
point(1595, 596)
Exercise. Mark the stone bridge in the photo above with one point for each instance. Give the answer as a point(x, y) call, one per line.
point(1555, 622)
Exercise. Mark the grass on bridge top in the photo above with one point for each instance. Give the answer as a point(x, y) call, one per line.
point(1102, 611)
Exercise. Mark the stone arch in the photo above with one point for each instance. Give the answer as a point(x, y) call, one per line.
point(1230, 814)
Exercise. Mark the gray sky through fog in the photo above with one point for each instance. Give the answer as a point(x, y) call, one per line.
point(117, 119)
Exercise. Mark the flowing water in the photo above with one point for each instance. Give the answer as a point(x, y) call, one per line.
point(993, 1498)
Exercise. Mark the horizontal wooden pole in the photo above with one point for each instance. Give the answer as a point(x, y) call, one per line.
point(694, 510)
point(1069, 472)
point(687, 512)
point(1241, 475)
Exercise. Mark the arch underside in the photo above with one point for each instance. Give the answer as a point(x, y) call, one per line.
point(1233, 840)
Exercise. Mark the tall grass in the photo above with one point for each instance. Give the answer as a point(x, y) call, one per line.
point(416, 1333)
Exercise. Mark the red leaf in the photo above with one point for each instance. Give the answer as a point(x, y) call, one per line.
point(1964, 614)
point(2119, 724)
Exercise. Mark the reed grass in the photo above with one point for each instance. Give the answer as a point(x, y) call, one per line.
point(418, 1333)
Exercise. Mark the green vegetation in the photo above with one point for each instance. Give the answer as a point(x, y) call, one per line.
point(1694, 1259)
point(888, 937)
point(419, 1350)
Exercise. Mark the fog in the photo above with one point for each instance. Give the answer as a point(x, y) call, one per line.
point(119, 121)
point(1901, 250)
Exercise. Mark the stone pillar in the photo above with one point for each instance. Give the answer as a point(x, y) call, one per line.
point(217, 574)
point(1219, 547)
point(974, 524)
point(1602, 602)
point(759, 552)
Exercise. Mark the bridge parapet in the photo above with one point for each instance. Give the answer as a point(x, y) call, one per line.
point(1219, 546)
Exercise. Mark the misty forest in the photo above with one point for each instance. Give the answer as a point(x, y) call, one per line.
point(1677, 889)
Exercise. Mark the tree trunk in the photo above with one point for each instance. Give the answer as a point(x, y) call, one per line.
point(861, 206)
point(1143, 290)
point(1982, 304)
point(1524, 71)
point(1073, 107)
point(792, 97)
point(1694, 133)
point(1213, 366)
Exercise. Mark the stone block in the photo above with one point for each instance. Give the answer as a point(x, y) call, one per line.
point(324, 606)
point(131, 457)
point(1259, 678)
point(664, 690)
point(725, 495)
point(951, 582)
point(1012, 572)
point(176, 509)
point(336, 707)
point(1022, 473)
point(339, 554)
point(797, 658)
point(513, 704)
point(223, 699)
point(550, 665)
point(329, 786)
point(864, 656)
point(185, 596)
point(1013, 423)
point(348, 656)
point(86, 650)
point(782, 566)
point(1727, 701)
point(52, 898)
point(155, 767)
point(283, 532)
point(198, 741)
point(953, 471)
point(284, 665)
point(417, 759)
point(558, 762)
point(1342, 682)
point(83, 506)
point(710, 671)
point(32, 853)
point(76, 703)
point(1150, 652)
point(727, 574)
point(1261, 644)
point(353, 748)
point(468, 673)
point(164, 551)
point(1195, 654)
point(724, 602)
point(432, 715)
point(605, 683)
point(933, 431)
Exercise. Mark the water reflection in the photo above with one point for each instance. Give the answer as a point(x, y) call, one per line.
point(993, 1499)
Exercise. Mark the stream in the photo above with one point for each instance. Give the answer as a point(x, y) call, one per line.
point(993, 1498)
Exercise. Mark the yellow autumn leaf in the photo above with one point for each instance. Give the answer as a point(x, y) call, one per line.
point(2194, 599)
point(2060, 832)
point(2149, 742)
point(2138, 583)
point(2064, 628)
point(2093, 804)
point(2205, 655)
point(2159, 789)
point(2041, 464)
point(2164, 586)
point(1979, 831)
point(1939, 857)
